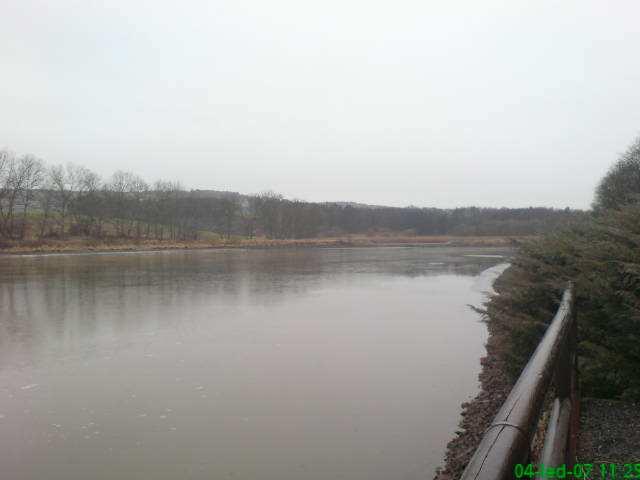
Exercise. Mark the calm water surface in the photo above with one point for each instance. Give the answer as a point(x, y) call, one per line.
point(277, 365)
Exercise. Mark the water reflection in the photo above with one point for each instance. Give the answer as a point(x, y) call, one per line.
point(66, 298)
point(308, 363)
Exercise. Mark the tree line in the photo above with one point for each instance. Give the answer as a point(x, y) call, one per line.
point(42, 201)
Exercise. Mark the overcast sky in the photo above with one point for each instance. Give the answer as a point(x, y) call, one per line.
point(431, 103)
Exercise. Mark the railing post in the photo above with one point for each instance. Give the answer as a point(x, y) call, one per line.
point(557, 444)
point(562, 380)
point(574, 426)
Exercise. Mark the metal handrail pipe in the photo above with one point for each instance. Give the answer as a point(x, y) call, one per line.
point(507, 440)
point(554, 452)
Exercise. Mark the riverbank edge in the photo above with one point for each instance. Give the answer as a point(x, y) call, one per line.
point(477, 414)
point(120, 246)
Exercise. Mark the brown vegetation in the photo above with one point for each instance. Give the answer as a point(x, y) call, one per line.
point(88, 244)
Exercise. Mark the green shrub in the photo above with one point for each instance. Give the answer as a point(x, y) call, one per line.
point(602, 257)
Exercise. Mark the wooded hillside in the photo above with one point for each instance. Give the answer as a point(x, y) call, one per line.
point(39, 201)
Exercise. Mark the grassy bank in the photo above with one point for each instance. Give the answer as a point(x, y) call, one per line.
point(85, 244)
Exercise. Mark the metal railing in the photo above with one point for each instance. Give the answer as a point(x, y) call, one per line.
point(507, 441)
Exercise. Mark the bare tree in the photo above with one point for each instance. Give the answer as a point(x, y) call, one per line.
point(139, 200)
point(119, 189)
point(19, 177)
point(269, 209)
point(7, 173)
point(62, 181)
point(249, 217)
point(47, 203)
point(31, 170)
point(87, 204)
point(229, 210)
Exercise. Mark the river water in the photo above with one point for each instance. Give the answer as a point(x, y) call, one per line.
point(241, 364)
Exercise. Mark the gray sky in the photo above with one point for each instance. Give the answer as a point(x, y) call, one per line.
point(447, 103)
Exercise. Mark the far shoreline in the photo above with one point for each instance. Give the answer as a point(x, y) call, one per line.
point(86, 245)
